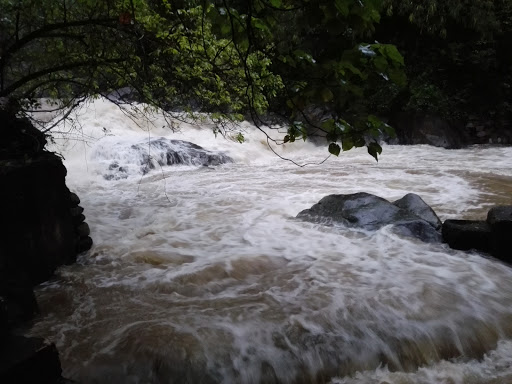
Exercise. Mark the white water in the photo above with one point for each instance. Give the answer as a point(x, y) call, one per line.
point(202, 274)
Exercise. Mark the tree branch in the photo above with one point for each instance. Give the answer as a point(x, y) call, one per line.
point(41, 32)
point(65, 67)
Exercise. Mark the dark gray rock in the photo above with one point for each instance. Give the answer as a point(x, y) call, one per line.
point(415, 204)
point(159, 152)
point(500, 220)
point(27, 360)
point(174, 152)
point(20, 139)
point(78, 219)
point(83, 230)
point(84, 244)
point(37, 229)
point(467, 234)
point(75, 211)
point(427, 129)
point(4, 320)
point(370, 212)
point(74, 199)
point(20, 301)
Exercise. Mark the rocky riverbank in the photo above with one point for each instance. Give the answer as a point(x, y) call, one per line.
point(43, 228)
point(411, 216)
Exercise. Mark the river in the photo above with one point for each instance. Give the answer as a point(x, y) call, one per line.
point(203, 274)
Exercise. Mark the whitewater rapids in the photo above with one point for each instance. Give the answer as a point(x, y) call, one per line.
point(203, 274)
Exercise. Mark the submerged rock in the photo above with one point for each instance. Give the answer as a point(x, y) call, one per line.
point(178, 152)
point(370, 212)
point(148, 155)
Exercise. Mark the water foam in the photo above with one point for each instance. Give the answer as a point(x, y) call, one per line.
point(203, 274)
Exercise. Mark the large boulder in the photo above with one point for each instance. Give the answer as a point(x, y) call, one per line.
point(145, 156)
point(500, 221)
point(37, 235)
point(492, 236)
point(4, 320)
point(37, 229)
point(40, 230)
point(415, 204)
point(19, 137)
point(370, 212)
point(467, 234)
point(427, 129)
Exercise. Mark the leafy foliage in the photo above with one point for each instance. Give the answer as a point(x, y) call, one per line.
point(228, 57)
point(458, 55)
point(316, 49)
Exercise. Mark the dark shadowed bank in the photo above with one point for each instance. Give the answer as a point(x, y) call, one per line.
point(43, 228)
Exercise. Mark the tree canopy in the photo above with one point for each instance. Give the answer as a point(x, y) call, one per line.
point(328, 68)
point(458, 54)
point(227, 57)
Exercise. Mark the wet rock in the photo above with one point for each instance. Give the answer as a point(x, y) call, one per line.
point(20, 139)
point(38, 233)
point(492, 236)
point(114, 165)
point(84, 244)
point(38, 236)
point(26, 360)
point(74, 199)
point(415, 204)
point(426, 129)
point(83, 230)
point(75, 211)
point(4, 320)
point(370, 212)
point(500, 221)
point(173, 152)
point(467, 234)
point(150, 155)
point(18, 296)
point(77, 220)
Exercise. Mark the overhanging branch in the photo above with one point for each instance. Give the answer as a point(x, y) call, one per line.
point(65, 67)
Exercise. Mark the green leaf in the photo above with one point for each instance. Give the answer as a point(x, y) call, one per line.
point(334, 149)
point(374, 149)
point(392, 53)
point(332, 136)
point(225, 28)
point(259, 24)
point(342, 7)
point(380, 63)
point(374, 121)
point(397, 76)
point(389, 130)
point(327, 95)
point(328, 125)
point(347, 144)
point(350, 66)
point(240, 137)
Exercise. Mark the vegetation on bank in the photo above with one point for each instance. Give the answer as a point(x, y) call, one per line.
point(330, 68)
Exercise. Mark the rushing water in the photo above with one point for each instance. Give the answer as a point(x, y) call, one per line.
point(202, 274)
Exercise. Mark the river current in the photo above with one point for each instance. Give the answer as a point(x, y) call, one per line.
point(203, 275)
